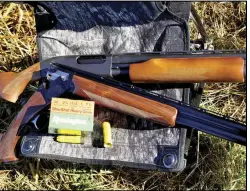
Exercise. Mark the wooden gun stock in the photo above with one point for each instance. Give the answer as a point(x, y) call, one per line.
point(9, 140)
point(188, 70)
point(12, 84)
point(124, 102)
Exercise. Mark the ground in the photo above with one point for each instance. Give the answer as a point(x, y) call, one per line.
point(222, 165)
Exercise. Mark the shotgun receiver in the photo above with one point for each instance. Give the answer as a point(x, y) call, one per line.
point(118, 96)
point(154, 67)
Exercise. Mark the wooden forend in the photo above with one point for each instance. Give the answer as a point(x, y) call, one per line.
point(124, 102)
point(188, 70)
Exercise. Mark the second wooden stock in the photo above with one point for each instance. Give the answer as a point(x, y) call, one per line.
point(9, 140)
point(188, 70)
point(124, 102)
point(12, 84)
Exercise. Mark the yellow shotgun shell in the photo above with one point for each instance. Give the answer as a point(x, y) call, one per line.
point(70, 139)
point(107, 135)
point(69, 132)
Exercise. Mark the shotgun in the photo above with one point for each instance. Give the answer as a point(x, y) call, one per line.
point(58, 79)
point(154, 67)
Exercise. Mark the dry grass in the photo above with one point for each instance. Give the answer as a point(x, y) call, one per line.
point(17, 34)
point(221, 165)
point(225, 24)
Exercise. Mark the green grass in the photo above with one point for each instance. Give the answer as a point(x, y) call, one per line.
point(220, 165)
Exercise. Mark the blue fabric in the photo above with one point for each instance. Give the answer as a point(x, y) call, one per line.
point(81, 16)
